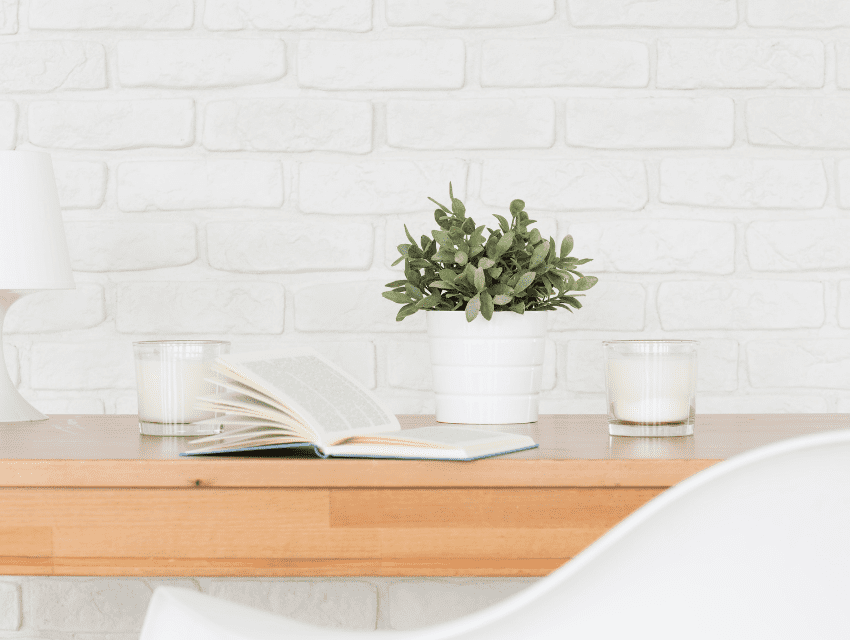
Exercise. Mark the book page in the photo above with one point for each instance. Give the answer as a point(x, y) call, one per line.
point(437, 436)
point(329, 400)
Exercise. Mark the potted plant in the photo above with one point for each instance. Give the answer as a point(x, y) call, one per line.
point(486, 299)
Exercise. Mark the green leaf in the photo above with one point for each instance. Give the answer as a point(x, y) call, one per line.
point(458, 209)
point(478, 279)
point(566, 246)
point(397, 261)
point(429, 302)
point(404, 249)
point(584, 261)
point(406, 310)
point(485, 263)
point(504, 243)
point(440, 284)
point(442, 237)
point(444, 255)
point(409, 237)
point(447, 275)
point(503, 223)
point(539, 254)
point(442, 207)
point(570, 300)
point(441, 218)
point(473, 307)
point(517, 206)
point(396, 296)
point(495, 272)
point(396, 283)
point(468, 225)
point(486, 305)
point(412, 291)
point(519, 307)
point(524, 281)
point(502, 299)
point(461, 258)
point(586, 282)
point(534, 236)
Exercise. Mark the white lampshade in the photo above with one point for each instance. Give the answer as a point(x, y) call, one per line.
point(33, 250)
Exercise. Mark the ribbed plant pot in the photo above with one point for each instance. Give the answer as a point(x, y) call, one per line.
point(487, 372)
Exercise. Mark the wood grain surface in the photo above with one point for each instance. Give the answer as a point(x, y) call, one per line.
point(87, 495)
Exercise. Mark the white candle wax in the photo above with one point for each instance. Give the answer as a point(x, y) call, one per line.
point(651, 390)
point(168, 388)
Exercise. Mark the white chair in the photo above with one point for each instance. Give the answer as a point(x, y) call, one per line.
point(754, 547)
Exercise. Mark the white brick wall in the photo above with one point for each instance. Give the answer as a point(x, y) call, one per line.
point(241, 169)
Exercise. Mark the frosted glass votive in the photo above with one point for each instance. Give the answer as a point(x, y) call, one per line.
point(651, 387)
point(169, 378)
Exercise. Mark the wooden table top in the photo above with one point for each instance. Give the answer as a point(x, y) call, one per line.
point(575, 450)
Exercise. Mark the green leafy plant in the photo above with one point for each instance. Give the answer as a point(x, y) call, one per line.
point(512, 269)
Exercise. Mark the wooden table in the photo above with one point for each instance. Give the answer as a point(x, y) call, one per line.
point(87, 495)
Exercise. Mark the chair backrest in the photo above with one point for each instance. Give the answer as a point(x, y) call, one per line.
point(757, 546)
point(754, 547)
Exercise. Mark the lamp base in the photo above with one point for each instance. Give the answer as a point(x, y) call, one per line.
point(13, 407)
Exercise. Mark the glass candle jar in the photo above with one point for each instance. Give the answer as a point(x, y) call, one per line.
point(651, 387)
point(170, 376)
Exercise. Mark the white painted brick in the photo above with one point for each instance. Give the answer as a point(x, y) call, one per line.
point(659, 13)
point(106, 636)
point(52, 65)
point(350, 307)
point(799, 122)
point(81, 185)
point(44, 311)
point(741, 304)
point(199, 184)
point(609, 306)
point(199, 307)
point(111, 14)
point(72, 406)
point(127, 404)
point(740, 63)
point(289, 247)
point(793, 245)
point(667, 123)
point(792, 14)
point(130, 246)
point(348, 605)
point(559, 185)
point(743, 183)
point(8, 16)
point(8, 124)
point(844, 183)
point(377, 187)
point(341, 15)
point(656, 246)
point(381, 64)
point(842, 61)
point(356, 358)
point(10, 606)
point(420, 603)
point(10, 356)
point(557, 62)
point(761, 404)
point(717, 366)
point(99, 605)
point(200, 63)
point(495, 123)
point(104, 364)
point(112, 124)
point(823, 363)
point(468, 13)
point(409, 364)
point(844, 303)
point(288, 125)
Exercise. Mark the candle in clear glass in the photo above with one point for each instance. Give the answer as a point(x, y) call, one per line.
point(170, 377)
point(651, 386)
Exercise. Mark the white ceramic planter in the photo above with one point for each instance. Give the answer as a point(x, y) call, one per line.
point(487, 372)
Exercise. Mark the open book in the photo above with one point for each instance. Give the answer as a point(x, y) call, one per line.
point(294, 398)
